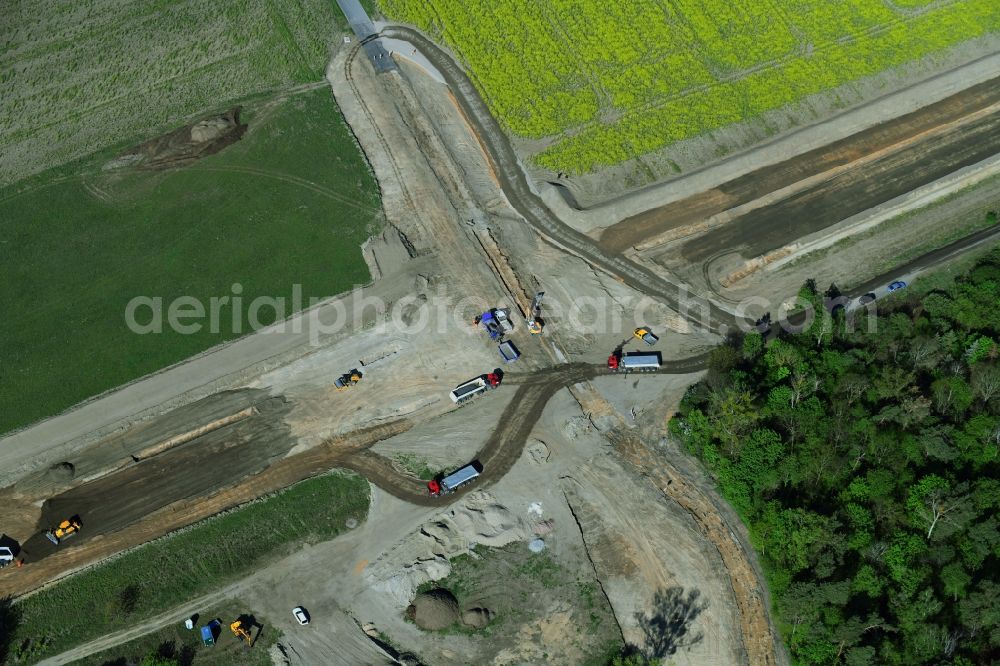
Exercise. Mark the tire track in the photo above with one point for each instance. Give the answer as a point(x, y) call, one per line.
point(504, 447)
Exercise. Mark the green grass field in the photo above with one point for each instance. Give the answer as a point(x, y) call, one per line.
point(288, 204)
point(625, 79)
point(86, 74)
point(178, 568)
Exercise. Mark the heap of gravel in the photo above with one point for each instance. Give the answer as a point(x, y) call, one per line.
point(434, 610)
point(477, 618)
point(63, 471)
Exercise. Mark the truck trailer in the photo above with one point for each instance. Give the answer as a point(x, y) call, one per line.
point(455, 480)
point(508, 351)
point(474, 387)
point(634, 361)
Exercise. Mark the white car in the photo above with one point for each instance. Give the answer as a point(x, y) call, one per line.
point(301, 615)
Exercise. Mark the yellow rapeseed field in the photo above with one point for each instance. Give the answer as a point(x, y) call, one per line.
point(622, 79)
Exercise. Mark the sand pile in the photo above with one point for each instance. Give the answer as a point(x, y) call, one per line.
point(434, 610)
point(476, 618)
point(423, 555)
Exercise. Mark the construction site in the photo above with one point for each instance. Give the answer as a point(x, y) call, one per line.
point(528, 353)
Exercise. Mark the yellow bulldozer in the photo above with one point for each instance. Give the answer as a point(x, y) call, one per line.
point(64, 530)
point(239, 629)
point(348, 379)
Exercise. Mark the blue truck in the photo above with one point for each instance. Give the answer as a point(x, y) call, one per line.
point(209, 632)
point(496, 322)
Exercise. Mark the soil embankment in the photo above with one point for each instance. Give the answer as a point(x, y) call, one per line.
point(913, 128)
point(185, 145)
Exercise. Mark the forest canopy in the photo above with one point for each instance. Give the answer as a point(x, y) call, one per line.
point(862, 454)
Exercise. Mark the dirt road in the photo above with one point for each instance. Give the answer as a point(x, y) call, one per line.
point(185, 472)
point(758, 638)
point(515, 184)
point(507, 442)
point(270, 593)
point(196, 495)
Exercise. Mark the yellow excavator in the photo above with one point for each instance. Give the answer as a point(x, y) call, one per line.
point(64, 530)
point(348, 379)
point(535, 322)
point(240, 631)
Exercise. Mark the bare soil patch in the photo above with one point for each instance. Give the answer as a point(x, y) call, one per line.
point(185, 145)
point(744, 189)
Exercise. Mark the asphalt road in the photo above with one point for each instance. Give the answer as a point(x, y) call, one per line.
point(924, 263)
point(365, 31)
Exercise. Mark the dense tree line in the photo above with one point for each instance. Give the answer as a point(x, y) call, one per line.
point(862, 453)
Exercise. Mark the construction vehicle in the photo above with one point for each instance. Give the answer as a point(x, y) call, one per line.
point(646, 336)
point(348, 379)
point(633, 361)
point(239, 629)
point(475, 386)
point(508, 351)
point(64, 530)
point(535, 323)
point(210, 632)
point(455, 480)
point(496, 321)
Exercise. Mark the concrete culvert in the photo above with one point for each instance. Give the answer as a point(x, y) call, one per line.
point(434, 610)
point(351, 523)
point(477, 618)
point(63, 471)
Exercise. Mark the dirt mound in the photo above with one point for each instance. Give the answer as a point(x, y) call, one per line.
point(63, 471)
point(477, 618)
point(434, 610)
point(538, 451)
point(185, 144)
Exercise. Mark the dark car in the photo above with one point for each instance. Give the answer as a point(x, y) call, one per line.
point(867, 298)
point(896, 286)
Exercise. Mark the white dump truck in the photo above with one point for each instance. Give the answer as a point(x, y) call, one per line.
point(634, 361)
point(455, 480)
point(474, 387)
